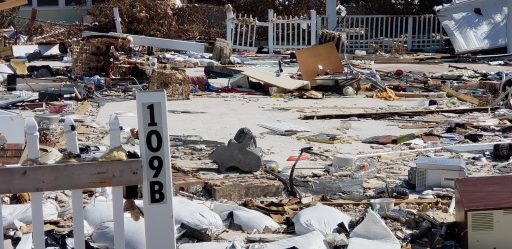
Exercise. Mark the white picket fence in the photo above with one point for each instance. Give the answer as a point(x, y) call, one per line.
point(284, 33)
point(38, 179)
point(366, 32)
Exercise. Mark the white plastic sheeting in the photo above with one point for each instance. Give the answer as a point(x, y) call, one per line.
point(372, 233)
point(23, 213)
point(476, 24)
point(319, 218)
point(313, 240)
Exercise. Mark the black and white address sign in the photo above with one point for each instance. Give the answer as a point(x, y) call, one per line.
point(154, 148)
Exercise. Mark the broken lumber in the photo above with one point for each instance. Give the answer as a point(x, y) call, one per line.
point(268, 76)
point(340, 203)
point(12, 3)
point(383, 115)
point(73, 176)
point(460, 96)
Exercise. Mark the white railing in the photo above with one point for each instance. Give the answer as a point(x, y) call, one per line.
point(284, 33)
point(382, 32)
point(38, 179)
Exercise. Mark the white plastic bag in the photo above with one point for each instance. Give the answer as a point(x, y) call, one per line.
point(98, 211)
point(23, 213)
point(313, 240)
point(319, 218)
point(196, 216)
point(134, 232)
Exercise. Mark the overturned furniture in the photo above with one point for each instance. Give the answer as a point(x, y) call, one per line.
point(240, 153)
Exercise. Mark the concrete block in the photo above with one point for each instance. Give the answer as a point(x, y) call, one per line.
point(241, 153)
point(344, 161)
point(242, 187)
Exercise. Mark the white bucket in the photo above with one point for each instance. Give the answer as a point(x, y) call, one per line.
point(384, 203)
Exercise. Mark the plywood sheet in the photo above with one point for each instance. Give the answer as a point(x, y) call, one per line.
point(324, 55)
point(268, 76)
point(20, 66)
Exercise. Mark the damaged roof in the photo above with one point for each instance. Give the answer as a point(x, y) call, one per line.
point(485, 193)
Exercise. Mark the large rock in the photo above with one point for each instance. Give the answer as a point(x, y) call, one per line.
point(240, 153)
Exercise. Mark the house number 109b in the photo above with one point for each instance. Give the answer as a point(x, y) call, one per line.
point(154, 146)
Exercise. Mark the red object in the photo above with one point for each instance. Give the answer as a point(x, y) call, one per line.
point(57, 109)
point(399, 72)
point(304, 157)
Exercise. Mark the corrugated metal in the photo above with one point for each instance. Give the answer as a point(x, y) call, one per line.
point(470, 31)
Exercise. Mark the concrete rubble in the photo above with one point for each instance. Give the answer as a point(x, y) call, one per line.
point(311, 147)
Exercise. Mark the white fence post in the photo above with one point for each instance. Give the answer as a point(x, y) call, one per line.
point(270, 31)
point(313, 27)
point(117, 20)
point(117, 192)
point(36, 199)
point(409, 33)
point(76, 194)
point(229, 25)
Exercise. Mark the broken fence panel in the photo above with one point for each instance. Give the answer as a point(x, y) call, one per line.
point(38, 179)
point(386, 32)
point(285, 33)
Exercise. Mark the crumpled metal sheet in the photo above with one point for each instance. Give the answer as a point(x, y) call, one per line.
point(475, 25)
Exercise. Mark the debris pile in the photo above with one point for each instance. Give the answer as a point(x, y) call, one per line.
point(271, 145)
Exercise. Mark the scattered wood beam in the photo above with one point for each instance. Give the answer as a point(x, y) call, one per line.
point(383, 115)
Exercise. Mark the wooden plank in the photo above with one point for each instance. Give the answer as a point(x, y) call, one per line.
point(268, 76)
point(340, 203)
point(383, 115)
point(6, 51)
point(412, 95)
point(418, 126)
point(288, 108)
point(70, 176)
point(460, 96)
point(12, 3)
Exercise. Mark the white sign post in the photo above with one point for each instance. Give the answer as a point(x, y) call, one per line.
point(157, 185)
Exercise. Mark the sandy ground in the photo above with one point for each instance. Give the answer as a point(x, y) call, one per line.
point(226, 113)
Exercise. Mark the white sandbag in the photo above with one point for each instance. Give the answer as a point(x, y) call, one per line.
point(23, 213)
point(248, 219)
point(134, 233)
point(251, 220)
point(98, 211)
point(319, 218)
point(313, 240)
point(372, 233)
point(196, 216)
point(212, 245)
